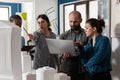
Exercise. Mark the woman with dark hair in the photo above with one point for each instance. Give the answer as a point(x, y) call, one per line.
point(97, 53)
point(42, 55)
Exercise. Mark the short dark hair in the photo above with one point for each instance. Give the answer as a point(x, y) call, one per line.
point(96, 23)
point(14, 17)
point(43, 16)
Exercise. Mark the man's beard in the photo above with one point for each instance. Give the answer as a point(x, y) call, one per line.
point(75, 28)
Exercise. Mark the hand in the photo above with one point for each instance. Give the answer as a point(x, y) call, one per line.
point(30, 36)
point(78, 44)
point(66, 55)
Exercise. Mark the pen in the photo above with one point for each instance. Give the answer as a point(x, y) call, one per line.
point(25, 30)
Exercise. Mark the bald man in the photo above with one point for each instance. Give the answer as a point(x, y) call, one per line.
point(71, 65)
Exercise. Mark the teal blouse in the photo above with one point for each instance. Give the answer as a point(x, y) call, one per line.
point(97, 59)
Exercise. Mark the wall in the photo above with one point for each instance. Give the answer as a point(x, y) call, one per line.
point(29, 23)
point(104, 13)
point(50, 9)
point(115, 35)
point(30, 15)
point(115, 58)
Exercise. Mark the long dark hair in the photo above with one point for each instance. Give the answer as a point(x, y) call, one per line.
point(96, 23)
point(43, 16)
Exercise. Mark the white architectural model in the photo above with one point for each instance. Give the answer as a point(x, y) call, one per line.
point(26, 62)
point(48, 73)
point(10, 56)
point(61, 76)
point(45, 73)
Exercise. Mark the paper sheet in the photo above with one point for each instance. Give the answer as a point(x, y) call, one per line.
point(56, 46)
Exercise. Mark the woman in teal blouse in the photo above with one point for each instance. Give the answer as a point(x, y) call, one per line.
point(97, 56)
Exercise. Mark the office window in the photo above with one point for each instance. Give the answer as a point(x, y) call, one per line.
point(82, 9)
point(68, 9)
point(4, 12)
point(93, 13)
point(88, 9)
